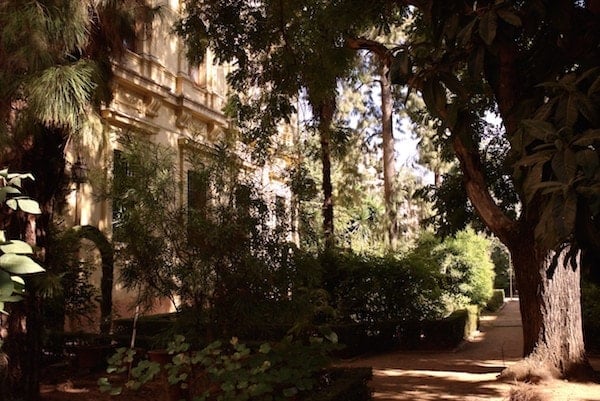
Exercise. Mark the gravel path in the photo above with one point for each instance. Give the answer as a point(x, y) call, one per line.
point(467, 373)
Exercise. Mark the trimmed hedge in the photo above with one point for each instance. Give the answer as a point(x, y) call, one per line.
point(496, 301)
point(444, 333)
point(438, 334)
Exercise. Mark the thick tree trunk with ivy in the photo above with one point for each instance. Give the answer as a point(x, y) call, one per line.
point(549, 293)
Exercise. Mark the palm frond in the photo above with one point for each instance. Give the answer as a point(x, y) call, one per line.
point(60, 96)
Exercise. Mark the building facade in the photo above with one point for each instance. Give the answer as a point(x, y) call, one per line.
point(159, 95)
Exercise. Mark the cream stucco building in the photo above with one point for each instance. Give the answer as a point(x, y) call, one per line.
point(158, 94)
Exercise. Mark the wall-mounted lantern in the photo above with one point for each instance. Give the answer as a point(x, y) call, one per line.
point(79, 175)
point(79, 172)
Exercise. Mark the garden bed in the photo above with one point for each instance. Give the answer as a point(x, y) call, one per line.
point(336, 384)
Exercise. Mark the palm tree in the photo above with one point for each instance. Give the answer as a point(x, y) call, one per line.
point(55, 64)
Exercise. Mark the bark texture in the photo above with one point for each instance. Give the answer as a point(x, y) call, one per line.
point(389, 159)
point(551, 314)
point(550, 297)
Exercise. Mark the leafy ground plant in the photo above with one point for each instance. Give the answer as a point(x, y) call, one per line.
point(231, 372)
point(14, 260)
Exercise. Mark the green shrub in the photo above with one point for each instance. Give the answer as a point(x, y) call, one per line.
point(462, 264)
point(445, 333)
point(374, 290)
point(231, 372)
point(468, 267)
point(219, 260)
point(501, 260)
point(496, 301)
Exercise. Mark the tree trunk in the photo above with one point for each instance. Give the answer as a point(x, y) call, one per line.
point(326, 110)
point(549, 298)
point(549, 292)
point(389, 168)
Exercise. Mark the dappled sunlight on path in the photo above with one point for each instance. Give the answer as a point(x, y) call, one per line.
point(467, 373)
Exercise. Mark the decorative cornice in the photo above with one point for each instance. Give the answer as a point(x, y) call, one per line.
point(153, 104)
point(184, 118)
point(123, 120)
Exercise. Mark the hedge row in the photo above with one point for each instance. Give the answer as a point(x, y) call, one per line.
point(358, 338)
point(446, 333)
point(496, 301)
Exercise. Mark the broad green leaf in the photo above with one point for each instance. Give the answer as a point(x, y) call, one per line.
point(589, 162)
point(536, 158)
point(464, 36)
point(2, 308)
point(4, 191)
point(587, 108)
point(16, 246)
point(564, 165)
point(572, 110)
point(13, 298)
point(18, 280)
point(29, 206)
point(585, 75)
point(12, 176)
point(545, 230)
point(19, 264)
point(476, 62)
point(488, 25)
point(2, 236)
point(19, 284)
point(7, 286)
point(451, 26)
point(548, 187)
point(589, 137)
point(545, 111)
point(12, 203)
point(538, 129)
point(434, 95)
point(510, 17)
point(15, 181)
point(533, 179)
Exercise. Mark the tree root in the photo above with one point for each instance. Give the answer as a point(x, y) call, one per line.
point(530, 371)
point(526, 392)
point(534, 370)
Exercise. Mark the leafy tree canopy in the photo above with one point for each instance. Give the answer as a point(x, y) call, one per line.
point(275, 45)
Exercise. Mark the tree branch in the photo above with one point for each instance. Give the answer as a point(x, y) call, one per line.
point(373, 46)
point(494, 218)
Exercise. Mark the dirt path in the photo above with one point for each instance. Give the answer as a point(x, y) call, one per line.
point(468, 373)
